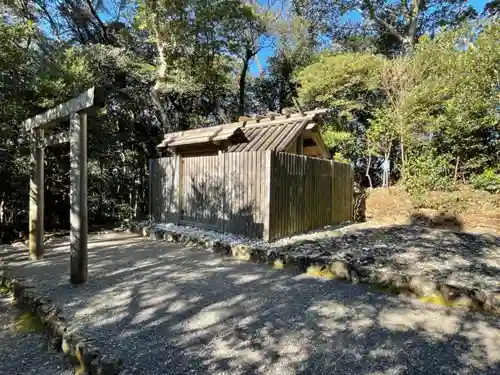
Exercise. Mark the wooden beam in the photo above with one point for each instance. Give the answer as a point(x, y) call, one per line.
point(64, 110)
point(48, 140)
point(78, 198)
point(325, 152)
point(36, 202)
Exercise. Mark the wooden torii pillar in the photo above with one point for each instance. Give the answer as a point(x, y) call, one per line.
point(38, 127)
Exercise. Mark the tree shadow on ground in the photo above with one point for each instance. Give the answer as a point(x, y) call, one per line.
point(414, 249)
point(441, 220)
point(168, 309)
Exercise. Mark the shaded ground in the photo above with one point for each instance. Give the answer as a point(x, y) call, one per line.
point(171, 310)
point(22, 350)
point(463, 259)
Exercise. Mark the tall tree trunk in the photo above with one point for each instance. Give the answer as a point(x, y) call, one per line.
point(101, 191)
point(367, 174)
point(243, 81)
point(455, 177)
point(156, 91)
point(409, 14)
point(403, 161)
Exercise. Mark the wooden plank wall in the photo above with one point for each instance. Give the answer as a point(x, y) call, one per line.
point(164, 200)
point(307, 193)
point(225, 192)
point(201, 187)
point(259, 194)
point(342, 185)
point(245, 195)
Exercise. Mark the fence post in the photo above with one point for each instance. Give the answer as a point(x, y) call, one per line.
point(268, 186)
point(150, 191)
point(351, 195)
point(178, 183)
point(222, 179)
point(332, 201)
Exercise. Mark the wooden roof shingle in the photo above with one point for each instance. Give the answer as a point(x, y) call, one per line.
point(275, 133)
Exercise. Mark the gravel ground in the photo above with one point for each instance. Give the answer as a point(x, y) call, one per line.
point(23, 353)
point(462, 259)
point(167, 309)
point(470, 260)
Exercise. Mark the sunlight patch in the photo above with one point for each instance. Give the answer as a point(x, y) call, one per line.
point(278, 265)
point(436, 299)
point(321, 272)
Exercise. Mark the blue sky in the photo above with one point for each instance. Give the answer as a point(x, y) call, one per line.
point(267, 52)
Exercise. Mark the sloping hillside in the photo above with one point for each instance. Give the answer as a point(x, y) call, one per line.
point(465, 209)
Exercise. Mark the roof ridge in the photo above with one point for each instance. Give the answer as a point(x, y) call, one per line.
point(253, 123)
point(274, 120)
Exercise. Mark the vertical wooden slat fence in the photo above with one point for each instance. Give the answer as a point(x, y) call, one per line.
point(245, 187)
point(201, 190)
point(257, 194)
point(163, 184)
point(304, 194)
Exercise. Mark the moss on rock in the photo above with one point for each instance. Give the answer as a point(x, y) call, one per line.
point(27, 322)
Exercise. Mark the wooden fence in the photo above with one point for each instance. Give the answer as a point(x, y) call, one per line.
point(308, 193)
point(259, 194)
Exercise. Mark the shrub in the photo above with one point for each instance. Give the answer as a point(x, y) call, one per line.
point(489, 180)
point(428, 171)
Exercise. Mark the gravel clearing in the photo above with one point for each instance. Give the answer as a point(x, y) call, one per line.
point(24, 353)
point(469, 260)
point(168, 309)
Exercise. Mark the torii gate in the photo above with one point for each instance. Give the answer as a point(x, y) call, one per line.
point(76, 110)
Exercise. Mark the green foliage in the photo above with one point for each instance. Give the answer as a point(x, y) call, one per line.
point(347, 82)
point(455, 105)
point(489, 180)
point(443, 98)
point(340, 158)
point(4, 289)
point(181, 64)
point(428, 171)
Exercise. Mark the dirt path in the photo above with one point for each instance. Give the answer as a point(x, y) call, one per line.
point(167, 309)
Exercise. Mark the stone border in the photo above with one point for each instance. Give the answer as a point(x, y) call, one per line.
point(425, 289)
point(77, 348)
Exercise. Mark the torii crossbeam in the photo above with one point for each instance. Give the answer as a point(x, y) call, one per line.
point(76, 110)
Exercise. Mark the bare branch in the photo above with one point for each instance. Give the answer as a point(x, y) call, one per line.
point(98, 19)
point(412, 27)
point(373, 15)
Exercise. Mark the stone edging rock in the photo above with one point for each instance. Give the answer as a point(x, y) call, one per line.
point(424, 288)
point(80, 350)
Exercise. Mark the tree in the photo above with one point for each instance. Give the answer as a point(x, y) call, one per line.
point(190, 38)
point(297, 43)
point(406, 20)
point(492, 8)
point(437, 107)
point(456, 103)
point(250, 34)
point(350, 85)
